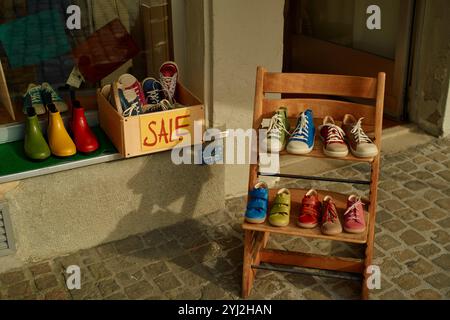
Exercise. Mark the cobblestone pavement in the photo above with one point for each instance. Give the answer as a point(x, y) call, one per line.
point(201, 259)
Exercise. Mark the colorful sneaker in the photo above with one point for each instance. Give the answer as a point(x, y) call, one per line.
point(302, 139)
point(129, 83)
point(50, 96)
point(168, 74)
point(331, 225)
point(333, 139)
point(354, 220)
point(153, 90)
point(278, 131)
point(164, 105)
point(257, 204)
point(131, 104)
point(33, 99)
point(360, 144)
point(281, 209)
point(310, 210)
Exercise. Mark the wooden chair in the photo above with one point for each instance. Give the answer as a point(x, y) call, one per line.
point(331, 86)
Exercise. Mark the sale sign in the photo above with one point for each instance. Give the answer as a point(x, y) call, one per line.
point(166, 130)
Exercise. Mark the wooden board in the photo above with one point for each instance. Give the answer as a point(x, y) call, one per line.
point(296, 199)
point(5, 98)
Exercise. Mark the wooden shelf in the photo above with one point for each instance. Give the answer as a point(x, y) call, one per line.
point(296, 199)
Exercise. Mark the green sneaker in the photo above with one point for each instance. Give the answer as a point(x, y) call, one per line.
point(278, 132)
point(281, 209)
point(47, 92)
point(33, 99)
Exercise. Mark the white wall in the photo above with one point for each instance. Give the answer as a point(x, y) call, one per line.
point(245, 34)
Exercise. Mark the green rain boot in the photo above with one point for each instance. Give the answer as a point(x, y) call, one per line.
point(36, 148)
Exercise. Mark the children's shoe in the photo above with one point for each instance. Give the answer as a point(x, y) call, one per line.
point(50, 96)
point(168, 74)
point(85, 140)
point(130, 102)
point(59, 140)
point(164, 105)
point(360, 144)
point(153, 90)
point(281, 209)
point(257, 204)
point(35, 146)
point(129, 83)
point(310, 210)
point(330, 220)
point(333, 139)
point(302, 139)
point(354, 220)
point(33, 99)
point(278, 131)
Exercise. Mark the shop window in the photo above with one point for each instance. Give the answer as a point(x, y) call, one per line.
point(43, 47)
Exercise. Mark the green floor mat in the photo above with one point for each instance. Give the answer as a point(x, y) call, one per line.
point(13, 159)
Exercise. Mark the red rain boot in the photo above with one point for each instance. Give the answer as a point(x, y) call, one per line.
point(84, 138)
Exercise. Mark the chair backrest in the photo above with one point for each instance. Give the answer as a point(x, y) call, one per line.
point(330, 86)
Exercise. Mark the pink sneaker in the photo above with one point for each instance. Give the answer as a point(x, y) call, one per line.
point(129, 82)
point(354, 221)
point(169, 77)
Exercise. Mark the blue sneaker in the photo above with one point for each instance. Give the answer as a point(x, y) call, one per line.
point(131, 104)
point(257, 204)
point(153, 90)
point(302, 139)
point(33, 99)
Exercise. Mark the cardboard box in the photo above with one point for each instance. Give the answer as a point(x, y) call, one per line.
point(154, 132)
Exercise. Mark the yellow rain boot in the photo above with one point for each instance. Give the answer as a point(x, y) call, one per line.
point(59, 140)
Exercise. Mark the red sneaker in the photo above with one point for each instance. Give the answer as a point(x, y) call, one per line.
point(310, 210)
point(84, 138)
point(354, 220)
point(333, 139)
point(169, 77)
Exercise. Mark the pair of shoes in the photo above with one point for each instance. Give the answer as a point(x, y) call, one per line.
point(39, 96)
point(312, 211)
point(258, 203)
point(59, 141)
point(157, 91)
point(301, 141)
point(335, 138)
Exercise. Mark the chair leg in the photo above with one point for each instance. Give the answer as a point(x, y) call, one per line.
point(248, 276)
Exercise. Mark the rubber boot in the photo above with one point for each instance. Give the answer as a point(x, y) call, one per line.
point(59, 140)
point(35, 146)
point(84, 138)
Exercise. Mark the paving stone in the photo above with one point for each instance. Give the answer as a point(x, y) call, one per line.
point(300, 281)
point(427, 294)
point(423, 225)
point(407, 214)
point(444, 204)
point(407, 281)
point(441, 236)
point(129, 245)
point(394, 225)
point(404, 255)
point(432, 195)
point(317, 293)
point(40, 269)
point(140, 290)
point(420, 160)
point(420, 267)
point(207, 252)
point(422, 175)
point(428, 250)
point(393, 295)
point(383, 216)
point(390, 268)
point(392, 205)
point(387, 242)
point(439, 280)
point(195, 277)
point(402, 194)
point(184, 294)
point(212, 292)
point(389, 185)
point(13, 277)
point(443, 261)
point(167, 282)
point(99, 271)
point(411, 237)
point(154, 238)
point(444, 223)
point(67, 261)
point(407, 166)
point(106, 250)
point(108, 287)
point(156, 269)
point(417, 204)
point(57, 295)
point(445, 175)
point(129, 277)
point(46, 282)
point(117, 297)
point(18, 290)
point(434, 214)
point(88, 291)
point(415, 185)
point(433, 167)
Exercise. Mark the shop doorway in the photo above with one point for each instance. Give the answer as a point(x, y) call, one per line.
point(332, 37)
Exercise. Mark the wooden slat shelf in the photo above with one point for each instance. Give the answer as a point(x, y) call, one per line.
point(293, 230)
